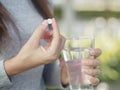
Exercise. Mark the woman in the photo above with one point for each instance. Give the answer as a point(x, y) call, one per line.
point(27, 63)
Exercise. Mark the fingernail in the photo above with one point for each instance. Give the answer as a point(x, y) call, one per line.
point(92, 52)
point(44, 22)
point(54, 19)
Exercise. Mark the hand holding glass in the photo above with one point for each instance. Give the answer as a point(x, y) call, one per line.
point(77, 49)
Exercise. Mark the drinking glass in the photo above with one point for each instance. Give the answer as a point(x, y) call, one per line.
point(75, 50)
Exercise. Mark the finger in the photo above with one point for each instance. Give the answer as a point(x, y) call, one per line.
point(92, 72)
point(62, 62)
point(56, 36)
point(94, 80)
point(61, 45)
point(62, 42)
point(89, 62)
point(59, 49)
point(35, 38)
point(95, 52)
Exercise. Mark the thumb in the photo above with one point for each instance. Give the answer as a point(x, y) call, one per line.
point(37, 34)
point(62, 62)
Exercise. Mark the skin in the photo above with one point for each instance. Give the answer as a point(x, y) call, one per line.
point(92, 63)
point(33, 54)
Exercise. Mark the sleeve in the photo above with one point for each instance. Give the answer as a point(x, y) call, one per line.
point(52, 76)
point(4, 79)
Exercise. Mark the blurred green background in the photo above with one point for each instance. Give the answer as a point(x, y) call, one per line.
point(100, 18)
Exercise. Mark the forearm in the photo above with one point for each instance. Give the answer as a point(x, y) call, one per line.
point(13, 66)
point(17, 65)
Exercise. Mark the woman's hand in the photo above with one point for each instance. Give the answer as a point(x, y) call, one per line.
point(91, 63)
point(33, 53)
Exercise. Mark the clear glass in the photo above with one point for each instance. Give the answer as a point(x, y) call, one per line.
point(77, 49)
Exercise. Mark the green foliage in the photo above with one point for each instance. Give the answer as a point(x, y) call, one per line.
point(58, 12)
point(110, 58)
point(93, 14)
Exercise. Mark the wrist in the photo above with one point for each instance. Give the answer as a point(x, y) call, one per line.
point(12, 66)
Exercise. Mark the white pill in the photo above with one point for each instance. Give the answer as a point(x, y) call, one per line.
point(49, 21)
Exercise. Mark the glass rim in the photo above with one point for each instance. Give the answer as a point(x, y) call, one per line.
point(80, 37)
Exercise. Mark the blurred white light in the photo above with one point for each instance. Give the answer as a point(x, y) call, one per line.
point(100, 23)
point(103, 86)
